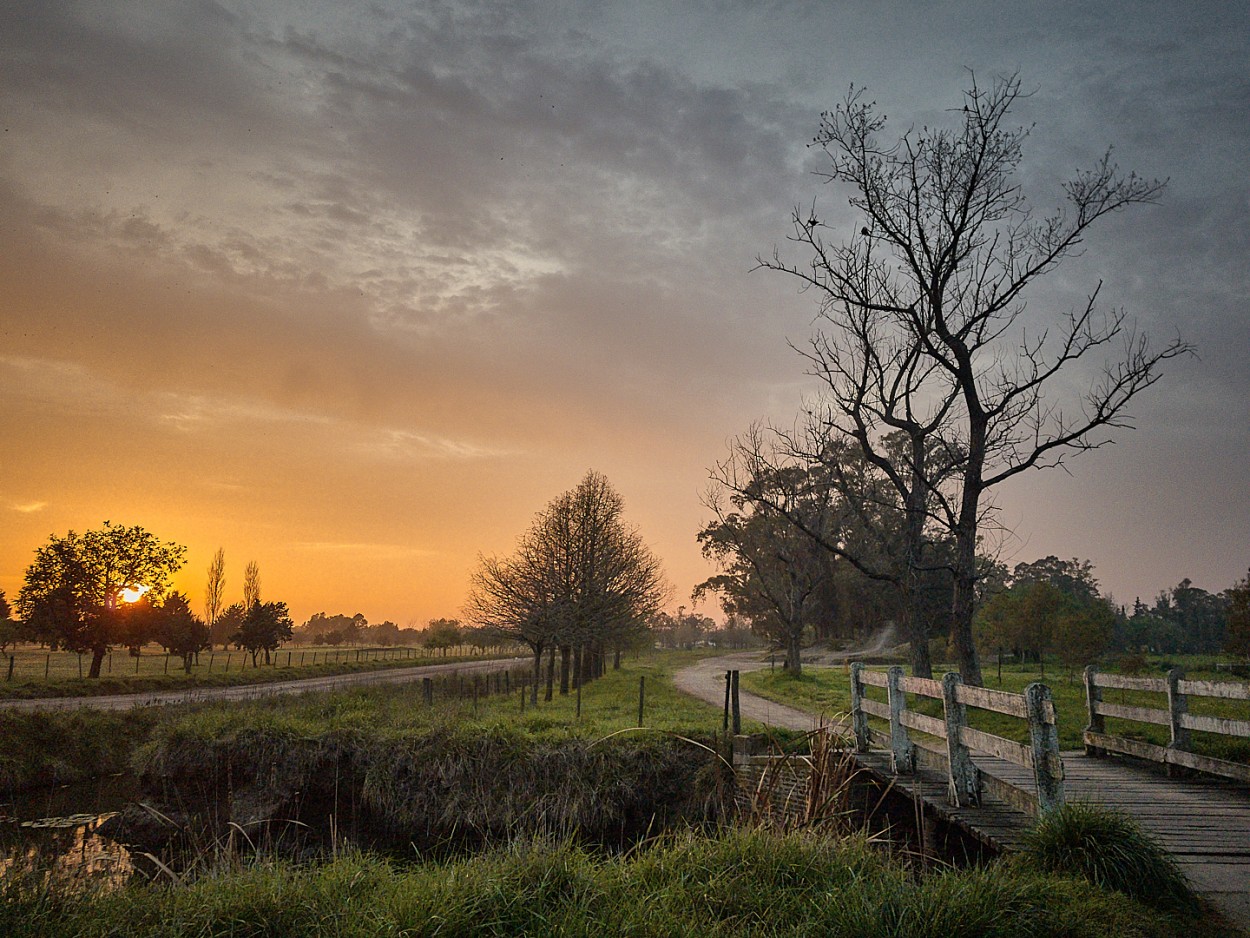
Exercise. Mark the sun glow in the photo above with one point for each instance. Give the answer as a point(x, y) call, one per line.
point(131, 594)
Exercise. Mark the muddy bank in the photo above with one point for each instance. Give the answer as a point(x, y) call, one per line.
point(435, 793)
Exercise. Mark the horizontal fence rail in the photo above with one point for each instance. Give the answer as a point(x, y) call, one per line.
point(965, 780)
point(1179, 750)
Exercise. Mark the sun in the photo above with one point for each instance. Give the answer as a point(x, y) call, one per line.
point(131, 594)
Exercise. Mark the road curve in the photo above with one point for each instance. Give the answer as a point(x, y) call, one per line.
point(705, 680)
point(253, 691)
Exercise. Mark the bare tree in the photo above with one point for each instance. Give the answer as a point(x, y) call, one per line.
point(580, 579)
point(936, 277)
point(215, 589)
point(251, 585)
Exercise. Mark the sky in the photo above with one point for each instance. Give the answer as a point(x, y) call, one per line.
point(354, 289)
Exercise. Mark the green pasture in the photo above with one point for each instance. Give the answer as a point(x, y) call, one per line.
point(30, 671)
point(827, 691)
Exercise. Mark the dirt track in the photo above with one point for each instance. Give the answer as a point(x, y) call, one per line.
point(251, 691)
point(706, 681)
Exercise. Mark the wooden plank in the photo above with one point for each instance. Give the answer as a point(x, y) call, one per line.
point(1129, 747)
point(922, 686)
point(1126, 682)
point(875, 678)
point(987, 698)
point(1229, 690)
point(1191, 760)
point(875, 707)
point(1009, 794)
point(996, 746)
point(1205, 724)
point(1140, 714)
point(923, 722)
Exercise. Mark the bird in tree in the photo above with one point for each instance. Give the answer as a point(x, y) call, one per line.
point(77, 586)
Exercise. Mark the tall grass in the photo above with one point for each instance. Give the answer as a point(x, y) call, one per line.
point(1110, 850)
point(741, 883)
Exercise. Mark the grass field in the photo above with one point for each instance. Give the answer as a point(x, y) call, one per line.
point(29, 671)
point(827, 690)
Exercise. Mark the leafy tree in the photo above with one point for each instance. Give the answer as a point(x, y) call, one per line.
point(1074, 578)
point(179, 631)
point(1197, 614)
point(264, 628)
point(227, 624)
point(1237, 632)
point(1082, 633)
point(384, 633)
point(924, 307)
point(442, 634)
point(11, 631)
point(73, 587)
point(215, 591)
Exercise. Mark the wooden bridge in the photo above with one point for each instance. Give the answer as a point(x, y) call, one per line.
point(992, 788)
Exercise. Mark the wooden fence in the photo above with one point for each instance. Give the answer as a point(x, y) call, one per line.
point(960, 741)
point(1178, 752)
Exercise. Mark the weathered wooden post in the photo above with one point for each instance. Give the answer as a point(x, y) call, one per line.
point(964, 777)
point(427, 690)
point(1044, 737)
point(859, 719)
point(902, 752)
point(736, 705)
point(642, 688)
point(1093, 697)
point(1178, 706)
point(10, 677)
point(728, 685)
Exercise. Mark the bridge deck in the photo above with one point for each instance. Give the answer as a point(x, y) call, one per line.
point(1203, 823)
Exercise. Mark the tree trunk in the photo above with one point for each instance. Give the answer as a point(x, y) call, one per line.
point(538, 674)
point(566, 654)
point(616, 660)
point(186, 662)
point(97, 660)
point(551, 672)
point(794, 651)
point(913, 613)
point(578, 660)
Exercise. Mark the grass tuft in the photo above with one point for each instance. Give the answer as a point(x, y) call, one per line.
point(1110, 850)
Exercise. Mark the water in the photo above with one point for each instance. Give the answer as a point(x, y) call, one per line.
point(51, 833)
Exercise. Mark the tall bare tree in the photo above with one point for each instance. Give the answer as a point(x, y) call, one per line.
point(580, 579)
point(251, 585)
point(215, 589)
point(937, 271)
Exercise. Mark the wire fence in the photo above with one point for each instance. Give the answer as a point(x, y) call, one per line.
point(34, 665)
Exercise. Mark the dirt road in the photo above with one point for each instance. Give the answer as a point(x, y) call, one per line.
point(706, 680)
point(252, 691)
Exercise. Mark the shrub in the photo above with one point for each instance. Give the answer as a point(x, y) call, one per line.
point(1110, 850)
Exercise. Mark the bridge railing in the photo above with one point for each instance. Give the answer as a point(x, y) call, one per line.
point(1179, 751)
point(966, 780)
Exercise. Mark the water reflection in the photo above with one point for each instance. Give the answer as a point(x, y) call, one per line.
point(49, 836)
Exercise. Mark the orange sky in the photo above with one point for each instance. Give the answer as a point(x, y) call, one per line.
point(354, 296)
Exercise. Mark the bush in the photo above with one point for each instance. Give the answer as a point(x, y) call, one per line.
point(1110, 850)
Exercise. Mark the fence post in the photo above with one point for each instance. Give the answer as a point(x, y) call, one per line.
point(1044, 736)
point(642, 688)
point(10, 677)
point(1093, 697)
point(859, 719)
point(902, 752)
point(427, 690)
point(736, 705)
point(1178, 706)
point(964, 777)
